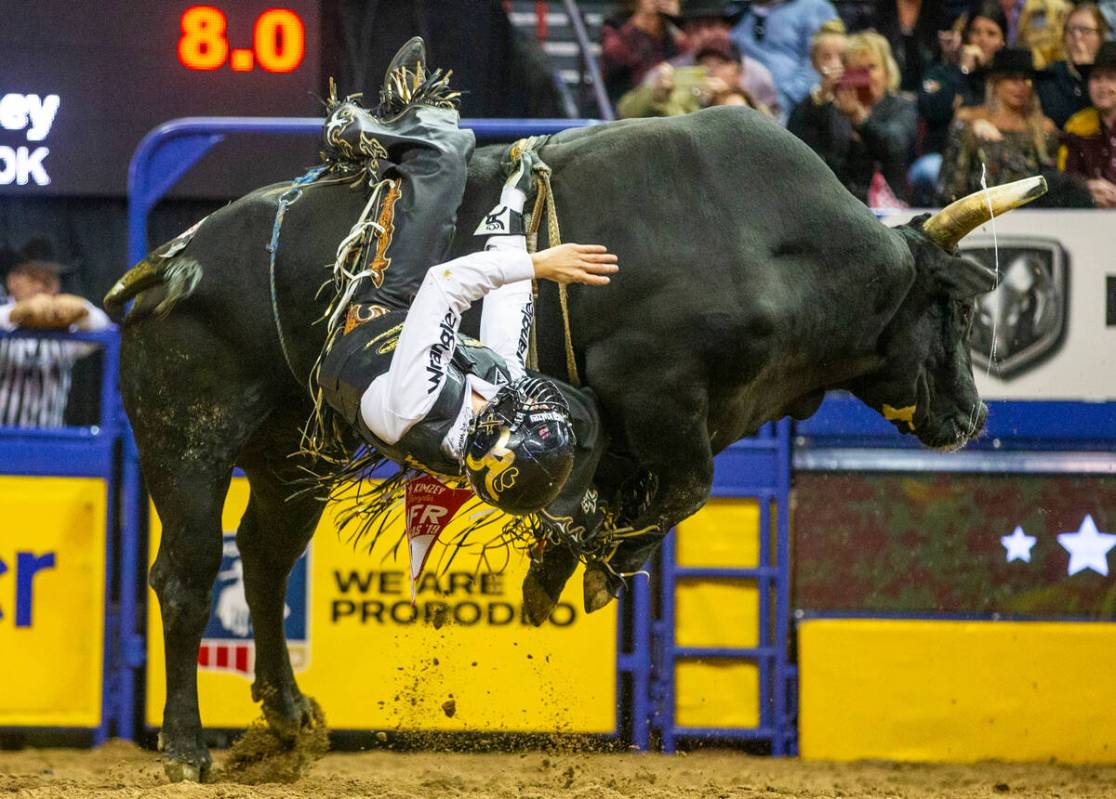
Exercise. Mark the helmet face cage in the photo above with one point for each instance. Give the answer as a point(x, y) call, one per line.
point(519, 448)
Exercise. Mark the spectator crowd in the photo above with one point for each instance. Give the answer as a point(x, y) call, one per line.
point(910, 102)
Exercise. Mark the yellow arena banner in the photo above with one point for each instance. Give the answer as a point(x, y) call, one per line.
point(956, 691)
point(461, 658)
point(52, 601)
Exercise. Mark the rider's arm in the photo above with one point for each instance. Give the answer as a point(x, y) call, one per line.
point(402, 397)
point(506, 317)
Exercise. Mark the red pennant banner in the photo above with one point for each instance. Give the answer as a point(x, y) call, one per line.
point(430, 507)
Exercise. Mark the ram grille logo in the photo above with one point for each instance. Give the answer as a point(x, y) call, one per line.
point(1023, 320)
point(227, 643)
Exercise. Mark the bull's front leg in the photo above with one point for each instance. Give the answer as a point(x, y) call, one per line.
point(666, 431)
point(273, 533)
point(577, 513)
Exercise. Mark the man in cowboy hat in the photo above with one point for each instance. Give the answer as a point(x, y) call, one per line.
point(35, 374)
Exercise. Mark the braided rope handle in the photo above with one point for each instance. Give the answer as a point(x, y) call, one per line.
point(544, 200)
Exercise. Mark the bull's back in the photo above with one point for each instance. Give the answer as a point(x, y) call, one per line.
point(727, 165)
point(703, 210)
point(719, 218)
point(230, 312)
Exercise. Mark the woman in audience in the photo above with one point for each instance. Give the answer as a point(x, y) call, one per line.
point(827, 57)
point(957, 83)
point(861, 132)
point(960, 83)
point(631, 47)
point(1089, 149)
point(1004, 139)
point(1061, 87)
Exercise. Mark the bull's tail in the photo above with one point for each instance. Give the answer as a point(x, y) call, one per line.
point(169, 280)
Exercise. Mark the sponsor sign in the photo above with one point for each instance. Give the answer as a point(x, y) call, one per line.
point(1045, 333)
point(1036, 546)
point(430, 507)
point(32, 116)
point(375, 660)
point(955, 691)
point(52, 601)
point(1023, 319)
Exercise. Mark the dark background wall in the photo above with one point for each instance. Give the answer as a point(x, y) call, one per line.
point(501, 73)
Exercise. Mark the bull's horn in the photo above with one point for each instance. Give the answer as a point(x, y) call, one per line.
point(951, 224)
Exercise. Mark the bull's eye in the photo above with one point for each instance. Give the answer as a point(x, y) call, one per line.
point(967, 316)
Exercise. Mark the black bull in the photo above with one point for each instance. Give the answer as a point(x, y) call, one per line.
point(750, 283)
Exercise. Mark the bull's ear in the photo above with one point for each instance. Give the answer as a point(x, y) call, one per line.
point(964, 278)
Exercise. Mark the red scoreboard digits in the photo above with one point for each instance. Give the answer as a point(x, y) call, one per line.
point(278, 41)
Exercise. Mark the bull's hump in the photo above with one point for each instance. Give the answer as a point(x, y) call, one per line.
point(767, 167)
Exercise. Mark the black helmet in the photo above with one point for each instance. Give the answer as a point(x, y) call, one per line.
point(519, 449)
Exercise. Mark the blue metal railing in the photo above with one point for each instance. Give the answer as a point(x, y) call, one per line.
point(169, 151)
point(757, 467)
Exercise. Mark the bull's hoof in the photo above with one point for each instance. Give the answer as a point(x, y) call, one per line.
point(189, 764)
point(287, 713)
point(601, 587)
point(545, 581)
point(180, 771)
point(537, 603)
point(260, 756)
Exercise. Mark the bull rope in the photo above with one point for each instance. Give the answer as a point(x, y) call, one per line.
point(286, 199)
point(544, 200)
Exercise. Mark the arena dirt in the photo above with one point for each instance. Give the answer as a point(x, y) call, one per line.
point(120, 770)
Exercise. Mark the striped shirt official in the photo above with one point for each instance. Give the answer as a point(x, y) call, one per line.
point(36, 374)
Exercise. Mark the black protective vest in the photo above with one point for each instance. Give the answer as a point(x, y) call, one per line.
point(365, 353)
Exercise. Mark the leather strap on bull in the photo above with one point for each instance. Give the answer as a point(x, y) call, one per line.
point(544, 201)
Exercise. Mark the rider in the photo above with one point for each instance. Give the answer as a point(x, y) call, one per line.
point(416, 390)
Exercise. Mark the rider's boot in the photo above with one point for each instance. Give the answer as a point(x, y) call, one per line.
point(605, 576)
point(415, 143)
point(406, 67)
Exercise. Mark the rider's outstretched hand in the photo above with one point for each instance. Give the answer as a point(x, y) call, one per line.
point(575, 263)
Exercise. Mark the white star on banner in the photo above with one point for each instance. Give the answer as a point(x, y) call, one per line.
point(1088, 548)
point(1018, 545)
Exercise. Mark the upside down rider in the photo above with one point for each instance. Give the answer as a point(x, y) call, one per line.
point(415, 389)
